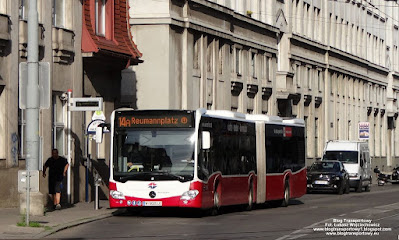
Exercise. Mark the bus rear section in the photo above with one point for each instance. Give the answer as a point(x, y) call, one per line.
point(285, 160)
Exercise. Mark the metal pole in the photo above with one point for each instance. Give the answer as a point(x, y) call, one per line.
point(27, 197)
point(69, 127)
point(32, 100)
point(96, 194)
point(32, 92)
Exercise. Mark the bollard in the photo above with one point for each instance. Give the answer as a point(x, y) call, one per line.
point(97, 182)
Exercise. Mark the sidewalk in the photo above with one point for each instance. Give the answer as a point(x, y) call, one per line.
point(52, 222)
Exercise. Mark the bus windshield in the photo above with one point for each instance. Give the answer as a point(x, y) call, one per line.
point(342, 156)
point(155, 154)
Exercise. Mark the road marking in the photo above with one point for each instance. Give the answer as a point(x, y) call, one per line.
point(297, 236)
point(372, 211)
point(304, 231)
point(309, 229)
point(387, 217)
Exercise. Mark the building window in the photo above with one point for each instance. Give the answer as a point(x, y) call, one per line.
point(316, 136)
point(196, 51)
point(59, 13)
point(59, 120)
point(21, 133)
point(238, 61)
point(318, 81)
point(100, 17)
point(23, 9)
point(305, 118)
point(3, 7)
point(221, 57)
point(209, 55)
point(253, 64)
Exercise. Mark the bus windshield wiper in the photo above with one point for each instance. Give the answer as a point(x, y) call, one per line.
point(175, 176)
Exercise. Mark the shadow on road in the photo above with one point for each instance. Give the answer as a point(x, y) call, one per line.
point(191, 213)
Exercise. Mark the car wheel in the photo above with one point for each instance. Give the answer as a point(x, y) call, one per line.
point(359, 186)
point(347, 187)
point(367, 188)
point(341, 189)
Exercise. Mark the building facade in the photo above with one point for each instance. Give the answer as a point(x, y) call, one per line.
point(334, 64)
point(88, 46)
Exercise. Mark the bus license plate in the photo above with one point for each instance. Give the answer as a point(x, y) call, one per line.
point(152, 203)
point(321, 182)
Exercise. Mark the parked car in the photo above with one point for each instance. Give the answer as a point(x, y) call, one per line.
point(328, 175)
point(395, 175)
point(355, 155)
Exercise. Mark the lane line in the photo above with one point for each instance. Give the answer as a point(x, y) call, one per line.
point(297, 236)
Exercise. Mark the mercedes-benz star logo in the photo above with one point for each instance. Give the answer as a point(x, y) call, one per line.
point(152, 194)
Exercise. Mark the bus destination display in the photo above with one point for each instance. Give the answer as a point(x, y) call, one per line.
point(162, 121)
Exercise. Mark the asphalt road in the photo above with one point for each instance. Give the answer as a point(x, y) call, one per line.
point(314, 216)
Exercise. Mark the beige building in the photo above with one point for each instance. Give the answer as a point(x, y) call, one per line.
point(59, 33)
point(88, 50)
point(333, 63)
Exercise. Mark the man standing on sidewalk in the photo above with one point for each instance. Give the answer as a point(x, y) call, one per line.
point(58, 168)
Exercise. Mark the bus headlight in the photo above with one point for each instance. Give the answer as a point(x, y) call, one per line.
point(116, 194)
point(189, 195)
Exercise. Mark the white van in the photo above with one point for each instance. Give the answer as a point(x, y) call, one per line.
point(355, 155)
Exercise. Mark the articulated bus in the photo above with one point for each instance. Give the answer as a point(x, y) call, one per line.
point(204, 159)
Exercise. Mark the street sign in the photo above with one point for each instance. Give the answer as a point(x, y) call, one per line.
point(34, 180)
point(364, 130)
point(44, 84)
point(92, 127)
point(98, 115)
point(86, 104)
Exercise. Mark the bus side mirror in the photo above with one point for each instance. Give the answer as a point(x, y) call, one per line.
point(99, 134)
point(206, 140)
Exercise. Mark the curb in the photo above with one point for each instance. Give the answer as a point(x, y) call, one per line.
point(59, 228)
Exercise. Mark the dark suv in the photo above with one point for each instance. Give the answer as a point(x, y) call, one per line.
point(328, 176)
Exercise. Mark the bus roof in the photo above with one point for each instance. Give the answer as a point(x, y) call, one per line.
point(225, 113)
point(252, 117)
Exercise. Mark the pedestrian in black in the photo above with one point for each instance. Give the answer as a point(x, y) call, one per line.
point(58, 167)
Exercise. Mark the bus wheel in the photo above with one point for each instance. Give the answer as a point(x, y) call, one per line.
point(216, 203)
point(286, 199)
point(250, 200)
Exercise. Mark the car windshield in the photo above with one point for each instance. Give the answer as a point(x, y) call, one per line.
point(342, 156)
point(164, 154)
point(325, 167)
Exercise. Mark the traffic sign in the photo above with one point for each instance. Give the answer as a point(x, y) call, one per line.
point(92, 127)
point(86, 104)
point(44, 84)
point(33, 181)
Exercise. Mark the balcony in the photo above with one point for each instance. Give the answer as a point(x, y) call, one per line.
point(63, 45)
point(23, 39)
point(4, 32)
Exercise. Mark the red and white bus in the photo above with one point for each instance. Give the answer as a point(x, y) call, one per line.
point(204, 159)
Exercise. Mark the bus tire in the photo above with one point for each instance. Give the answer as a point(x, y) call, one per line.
point(286, 200)
point(216, 202)
point(250, 200)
